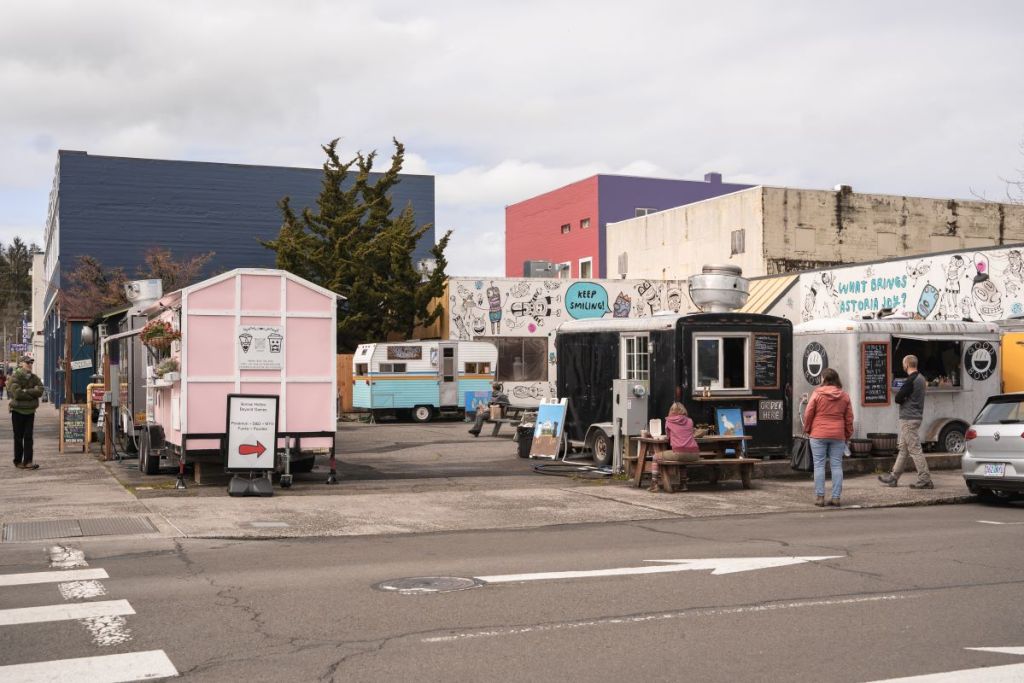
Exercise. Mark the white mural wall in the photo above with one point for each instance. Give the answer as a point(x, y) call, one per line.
point(985, 285)
point(535, 307)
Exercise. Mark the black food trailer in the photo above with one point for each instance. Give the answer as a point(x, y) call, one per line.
point(706, 361)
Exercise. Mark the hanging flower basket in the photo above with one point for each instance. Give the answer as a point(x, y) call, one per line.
point(158, 334)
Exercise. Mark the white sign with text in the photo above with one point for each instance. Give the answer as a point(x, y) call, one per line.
point(252, 432)
point(260, 347)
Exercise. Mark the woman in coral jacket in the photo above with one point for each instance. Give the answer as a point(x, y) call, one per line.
point(828, 420)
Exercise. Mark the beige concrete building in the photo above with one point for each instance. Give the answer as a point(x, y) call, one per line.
point(772, 230)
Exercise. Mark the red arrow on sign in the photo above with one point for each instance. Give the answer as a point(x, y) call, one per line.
point(248, 449)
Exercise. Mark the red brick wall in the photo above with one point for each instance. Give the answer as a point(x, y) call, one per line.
point(533, 228)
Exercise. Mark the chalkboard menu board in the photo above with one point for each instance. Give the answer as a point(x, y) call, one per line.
point(875, 368)
point(72, 425)
point(766, 361)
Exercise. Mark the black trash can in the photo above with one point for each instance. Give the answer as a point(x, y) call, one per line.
point(524, 439)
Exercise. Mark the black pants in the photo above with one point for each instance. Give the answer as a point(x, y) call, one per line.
point(23, 425)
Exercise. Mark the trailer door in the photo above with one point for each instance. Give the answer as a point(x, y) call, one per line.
point(448, 377)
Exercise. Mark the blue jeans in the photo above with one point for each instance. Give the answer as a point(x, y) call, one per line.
point(831, 449)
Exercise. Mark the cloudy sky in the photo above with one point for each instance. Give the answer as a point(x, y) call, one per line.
point(505, 100)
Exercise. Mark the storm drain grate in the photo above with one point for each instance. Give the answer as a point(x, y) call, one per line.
point(69, 528)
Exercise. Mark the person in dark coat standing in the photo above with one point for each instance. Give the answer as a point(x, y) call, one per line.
point(910, 398)
point(24, 389)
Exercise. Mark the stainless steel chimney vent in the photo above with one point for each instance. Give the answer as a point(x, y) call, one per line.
point(719, 288)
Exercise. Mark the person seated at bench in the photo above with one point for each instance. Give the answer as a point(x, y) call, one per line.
point(498, 398)
point(681, 440)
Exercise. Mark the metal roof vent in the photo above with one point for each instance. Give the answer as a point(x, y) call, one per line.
point(719, 288)
point(143, 293)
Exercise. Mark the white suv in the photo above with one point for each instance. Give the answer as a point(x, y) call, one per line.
point(993, 462)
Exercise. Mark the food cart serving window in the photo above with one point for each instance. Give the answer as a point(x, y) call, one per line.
point(938, 360)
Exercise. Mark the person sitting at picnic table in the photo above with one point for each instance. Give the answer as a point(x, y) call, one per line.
point(681, 439)
point(498, 398)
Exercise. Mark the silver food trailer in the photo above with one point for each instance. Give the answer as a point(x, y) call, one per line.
point(959, 359)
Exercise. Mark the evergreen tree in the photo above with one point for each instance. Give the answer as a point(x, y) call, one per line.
point(357, 245)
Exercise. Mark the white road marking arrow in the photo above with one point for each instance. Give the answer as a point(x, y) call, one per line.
point(721, 565)
point(1009, 673)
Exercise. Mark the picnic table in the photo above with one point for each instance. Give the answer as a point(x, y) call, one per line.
point(512, 416)
point(675, 473)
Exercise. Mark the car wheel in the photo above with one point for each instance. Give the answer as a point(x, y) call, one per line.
point(601, 447)
point(149, 462)
point(422, 414)
point(952, 439)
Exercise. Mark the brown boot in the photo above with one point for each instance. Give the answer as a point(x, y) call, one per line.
point(819, 501)
point(834, 502)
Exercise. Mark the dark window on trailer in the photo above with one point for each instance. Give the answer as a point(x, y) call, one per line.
point(392, 367)
point(520, 359)
point(937, 360)
point(360, 368)
point(721, 361)
point(478, 368)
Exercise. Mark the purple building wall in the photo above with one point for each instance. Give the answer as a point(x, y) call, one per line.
point(620, 196)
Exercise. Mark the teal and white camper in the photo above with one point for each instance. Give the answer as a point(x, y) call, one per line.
point(422, 378)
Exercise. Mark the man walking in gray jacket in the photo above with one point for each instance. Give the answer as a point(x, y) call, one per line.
point(910, 398)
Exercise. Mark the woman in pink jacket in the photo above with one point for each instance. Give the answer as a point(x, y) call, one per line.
point(828, 420)
point(681, 439)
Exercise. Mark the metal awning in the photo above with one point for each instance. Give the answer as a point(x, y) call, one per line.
point(936, 337)
point(766, 292)
point(121, 335)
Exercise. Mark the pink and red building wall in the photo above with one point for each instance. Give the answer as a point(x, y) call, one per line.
point(567, 225)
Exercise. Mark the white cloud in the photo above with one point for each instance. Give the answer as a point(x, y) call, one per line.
point(503, 101)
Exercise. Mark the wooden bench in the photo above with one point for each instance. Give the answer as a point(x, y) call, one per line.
point(502, 421)
point(671, 473)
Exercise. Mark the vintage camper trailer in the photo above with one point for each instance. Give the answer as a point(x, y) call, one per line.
point(960, 360)
point(250, 332)
point(421, 379)
point(710, 362)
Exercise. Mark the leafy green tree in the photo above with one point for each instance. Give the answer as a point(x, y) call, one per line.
point(15, 287)
point(356, 244)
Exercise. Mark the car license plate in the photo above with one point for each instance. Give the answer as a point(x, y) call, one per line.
point(994, 469)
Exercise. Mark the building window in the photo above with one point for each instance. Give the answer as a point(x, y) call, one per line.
point(721, 361)
point(478, 368)
point(641, 211)
point(635, 358)
point(566, 228)
point(361, 369)
point(564, 270)
point(392, 367)
point(738, 242)
point(584, 223)
point(520, 359)
point(586, 267)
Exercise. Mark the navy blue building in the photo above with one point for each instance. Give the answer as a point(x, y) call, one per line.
point(116, 208)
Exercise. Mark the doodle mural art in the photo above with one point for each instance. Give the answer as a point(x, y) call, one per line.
point(984, 285)
point(532, 307)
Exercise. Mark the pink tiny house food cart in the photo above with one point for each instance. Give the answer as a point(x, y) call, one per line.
point(248, 331)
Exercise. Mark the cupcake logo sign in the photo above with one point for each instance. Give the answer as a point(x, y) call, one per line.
point(260, 347)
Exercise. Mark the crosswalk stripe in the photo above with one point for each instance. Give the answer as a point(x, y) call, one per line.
point(76, 610)
point(133, 666)
point(51, 577)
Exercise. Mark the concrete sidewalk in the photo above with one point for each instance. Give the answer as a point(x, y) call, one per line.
point(78, 486)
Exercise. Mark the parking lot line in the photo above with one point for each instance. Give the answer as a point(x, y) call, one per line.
point(51, 577)
point(133, 666)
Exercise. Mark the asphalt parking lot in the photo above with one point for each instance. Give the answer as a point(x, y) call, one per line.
point(400, 455)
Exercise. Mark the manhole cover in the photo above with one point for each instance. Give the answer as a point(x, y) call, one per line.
point(427, 584)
